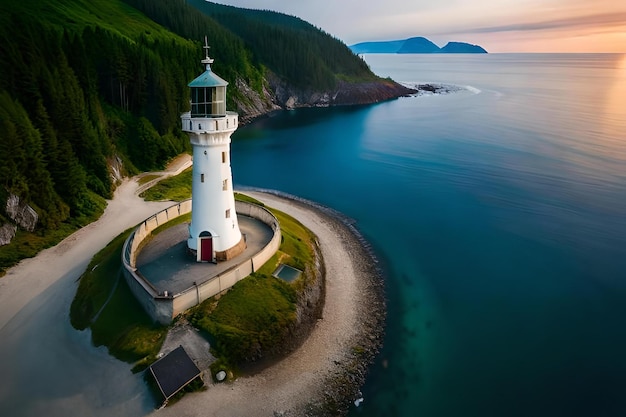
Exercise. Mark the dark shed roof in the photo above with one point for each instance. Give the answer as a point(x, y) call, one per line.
point(174, 371)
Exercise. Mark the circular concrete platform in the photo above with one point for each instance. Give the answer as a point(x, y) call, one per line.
point(166, 264)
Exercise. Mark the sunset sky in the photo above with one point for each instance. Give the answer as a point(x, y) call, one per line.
point(497, 25)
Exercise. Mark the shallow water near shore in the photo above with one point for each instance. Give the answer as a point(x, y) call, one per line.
point(499, 215)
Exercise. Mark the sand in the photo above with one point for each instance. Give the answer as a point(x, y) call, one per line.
point(33, 276)
point(352, 288)
point(286, 387)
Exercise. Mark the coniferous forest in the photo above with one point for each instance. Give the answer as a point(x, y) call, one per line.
point(89, 87)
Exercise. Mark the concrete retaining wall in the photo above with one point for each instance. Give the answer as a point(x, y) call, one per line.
point(145, 229)
point(164, 307)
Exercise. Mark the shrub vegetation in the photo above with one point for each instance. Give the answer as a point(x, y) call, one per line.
point(250, 320)
point(87, 82)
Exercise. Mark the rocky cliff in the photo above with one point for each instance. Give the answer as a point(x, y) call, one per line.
point(279, 95)
point(7, 232)
point(20, 213)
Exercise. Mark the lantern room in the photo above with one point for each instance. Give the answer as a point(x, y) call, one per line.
point(208, 93)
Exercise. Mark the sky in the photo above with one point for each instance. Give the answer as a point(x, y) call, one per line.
point(496, 25)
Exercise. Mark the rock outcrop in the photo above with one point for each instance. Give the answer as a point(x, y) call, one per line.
point(344, 93)
point(21, 213)
point(253, 104)
point(7, 232)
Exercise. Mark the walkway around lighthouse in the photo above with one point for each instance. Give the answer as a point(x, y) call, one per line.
point(167, 265)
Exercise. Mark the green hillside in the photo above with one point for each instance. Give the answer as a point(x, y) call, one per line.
point(294, 49)
point(86, 85)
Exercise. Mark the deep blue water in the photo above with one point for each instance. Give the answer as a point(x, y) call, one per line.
point(499, 215)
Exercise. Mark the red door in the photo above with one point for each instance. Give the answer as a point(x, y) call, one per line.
point(206, 249)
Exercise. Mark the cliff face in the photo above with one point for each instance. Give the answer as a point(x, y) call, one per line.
point(253, 104)
point(369, 92)
point(289, 97)
point(7, 232)
point(280, 95)
point(19, 212)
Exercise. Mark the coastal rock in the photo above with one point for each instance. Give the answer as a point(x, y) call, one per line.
point(310, 300)
point(254, 104)
point(344, 93)
point(368, 92)
point(21, 213)
point(339, 390)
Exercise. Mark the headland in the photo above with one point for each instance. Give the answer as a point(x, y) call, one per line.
point(323, 375)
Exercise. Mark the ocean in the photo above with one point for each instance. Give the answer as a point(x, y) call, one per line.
point(498, 213)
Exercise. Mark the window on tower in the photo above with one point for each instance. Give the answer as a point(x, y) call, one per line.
point(223, 157)
point(228, 213)
point(225, 185)
point(201, 177)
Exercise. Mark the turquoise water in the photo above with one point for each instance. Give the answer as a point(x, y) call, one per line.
point(499, 217)
point(499, 214)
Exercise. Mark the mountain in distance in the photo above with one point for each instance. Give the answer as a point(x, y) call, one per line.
point(416, 45)
point(462, 48)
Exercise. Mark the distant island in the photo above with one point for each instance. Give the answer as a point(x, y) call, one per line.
point(417, 45)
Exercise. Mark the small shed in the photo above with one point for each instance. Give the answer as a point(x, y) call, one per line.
point(174, 371)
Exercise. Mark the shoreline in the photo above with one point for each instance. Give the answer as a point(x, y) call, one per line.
point(342, 387)
point(324, 374)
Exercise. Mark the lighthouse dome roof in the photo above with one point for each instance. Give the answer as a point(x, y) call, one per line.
point(208, 79)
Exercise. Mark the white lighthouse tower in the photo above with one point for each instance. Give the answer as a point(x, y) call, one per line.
point(214, 233)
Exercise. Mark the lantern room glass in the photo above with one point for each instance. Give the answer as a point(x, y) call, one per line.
point(208, 101)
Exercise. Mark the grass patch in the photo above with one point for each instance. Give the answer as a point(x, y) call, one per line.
point(176, 188)
point(185, 218)
point(251, 320)
point(28, 244)
point(122, 325)
point(253, 317)
point(147, 178)
point(296, 248)
point(258, 313)
point(97, 282)
point(127, 330)
point(248, 199)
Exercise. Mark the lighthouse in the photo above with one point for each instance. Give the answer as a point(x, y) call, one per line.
point(214, 233)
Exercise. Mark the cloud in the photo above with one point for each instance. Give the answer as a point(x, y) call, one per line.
point(596, 21)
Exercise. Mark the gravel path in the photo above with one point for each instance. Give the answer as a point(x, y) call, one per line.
point(287, 386)
point(352, 293)
point(33, 276)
